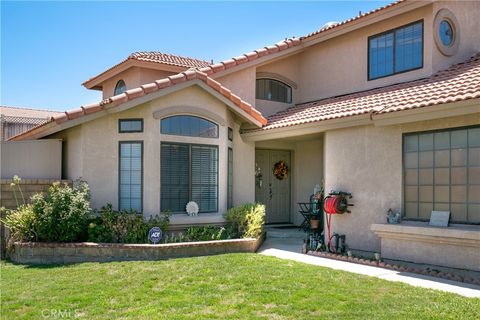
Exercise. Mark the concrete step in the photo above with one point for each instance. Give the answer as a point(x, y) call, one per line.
point(285, 233)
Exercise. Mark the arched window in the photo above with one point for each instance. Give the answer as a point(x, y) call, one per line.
point(273, 90)
point(120, 87)
point(189, 126)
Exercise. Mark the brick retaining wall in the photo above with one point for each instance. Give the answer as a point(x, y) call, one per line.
point(58, 253)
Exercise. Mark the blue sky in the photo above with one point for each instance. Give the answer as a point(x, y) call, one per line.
point(49, 48)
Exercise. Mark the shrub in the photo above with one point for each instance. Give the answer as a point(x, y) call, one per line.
point(247, 220)
point(123, 226)
point(206, 233)
point(58, 215)
point(21, 223)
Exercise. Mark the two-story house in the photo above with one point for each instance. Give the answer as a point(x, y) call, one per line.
point(385, 105)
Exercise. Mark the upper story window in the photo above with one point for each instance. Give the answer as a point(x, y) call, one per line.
point(120, 87)
point(189, 126)
point(273, 90)
point(130, 125)
point(446, 32)
point(395, 51)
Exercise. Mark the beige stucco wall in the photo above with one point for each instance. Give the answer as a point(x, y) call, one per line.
point(39, 159)
point(91, 151)
point(467, 13)
point(243, 169)
point(367, 161)
point(306, 168)
point(242, 83)
point(340, 65)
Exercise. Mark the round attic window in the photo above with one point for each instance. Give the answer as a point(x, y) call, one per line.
point(446, 32)
point(120, 87)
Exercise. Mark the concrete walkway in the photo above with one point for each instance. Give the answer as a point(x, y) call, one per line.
point(287, 244)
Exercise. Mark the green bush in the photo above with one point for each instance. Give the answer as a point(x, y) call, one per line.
point(246, 221)
point(21, 223)
point(206, 233)
point(58, 215)
point(112, 226)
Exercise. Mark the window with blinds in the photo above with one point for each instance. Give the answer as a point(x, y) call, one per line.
point(189, 172)
point(130, 175)
point(230, 179)
point(442, 172)
point(395, 51)
point(273, 90)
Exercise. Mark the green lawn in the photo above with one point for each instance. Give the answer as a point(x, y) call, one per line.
point(234, 286)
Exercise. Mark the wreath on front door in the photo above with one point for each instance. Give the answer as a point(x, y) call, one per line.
point(280, 170)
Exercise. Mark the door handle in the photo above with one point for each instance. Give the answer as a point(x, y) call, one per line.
point(270, 190)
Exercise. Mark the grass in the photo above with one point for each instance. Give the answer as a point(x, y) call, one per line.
point(233, 286)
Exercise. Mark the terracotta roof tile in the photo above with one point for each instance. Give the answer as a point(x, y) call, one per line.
point(150, 87)
point(457, 83)
point(160, 58)
point(251, 56)
point(132, 94)
point(165, 58)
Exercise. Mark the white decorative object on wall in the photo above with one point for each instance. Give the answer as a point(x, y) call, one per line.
point(192, 208)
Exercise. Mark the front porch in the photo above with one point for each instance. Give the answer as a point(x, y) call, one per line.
point(303, 156)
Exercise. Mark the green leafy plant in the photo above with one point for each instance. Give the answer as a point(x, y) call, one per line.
point(21, 223)
point(206, 233)
point(246, 221)
point(58, 215)
point(113, 226)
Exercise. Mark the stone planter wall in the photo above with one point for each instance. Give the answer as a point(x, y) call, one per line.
point(59, 253)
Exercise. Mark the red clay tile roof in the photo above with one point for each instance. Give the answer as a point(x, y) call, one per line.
point(457, 83)
point(160, 58)
point(143, 90)
point(250, 56)
point(359, 16)
point(165, 58)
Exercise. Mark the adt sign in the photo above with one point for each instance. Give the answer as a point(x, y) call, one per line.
point(155, 235)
